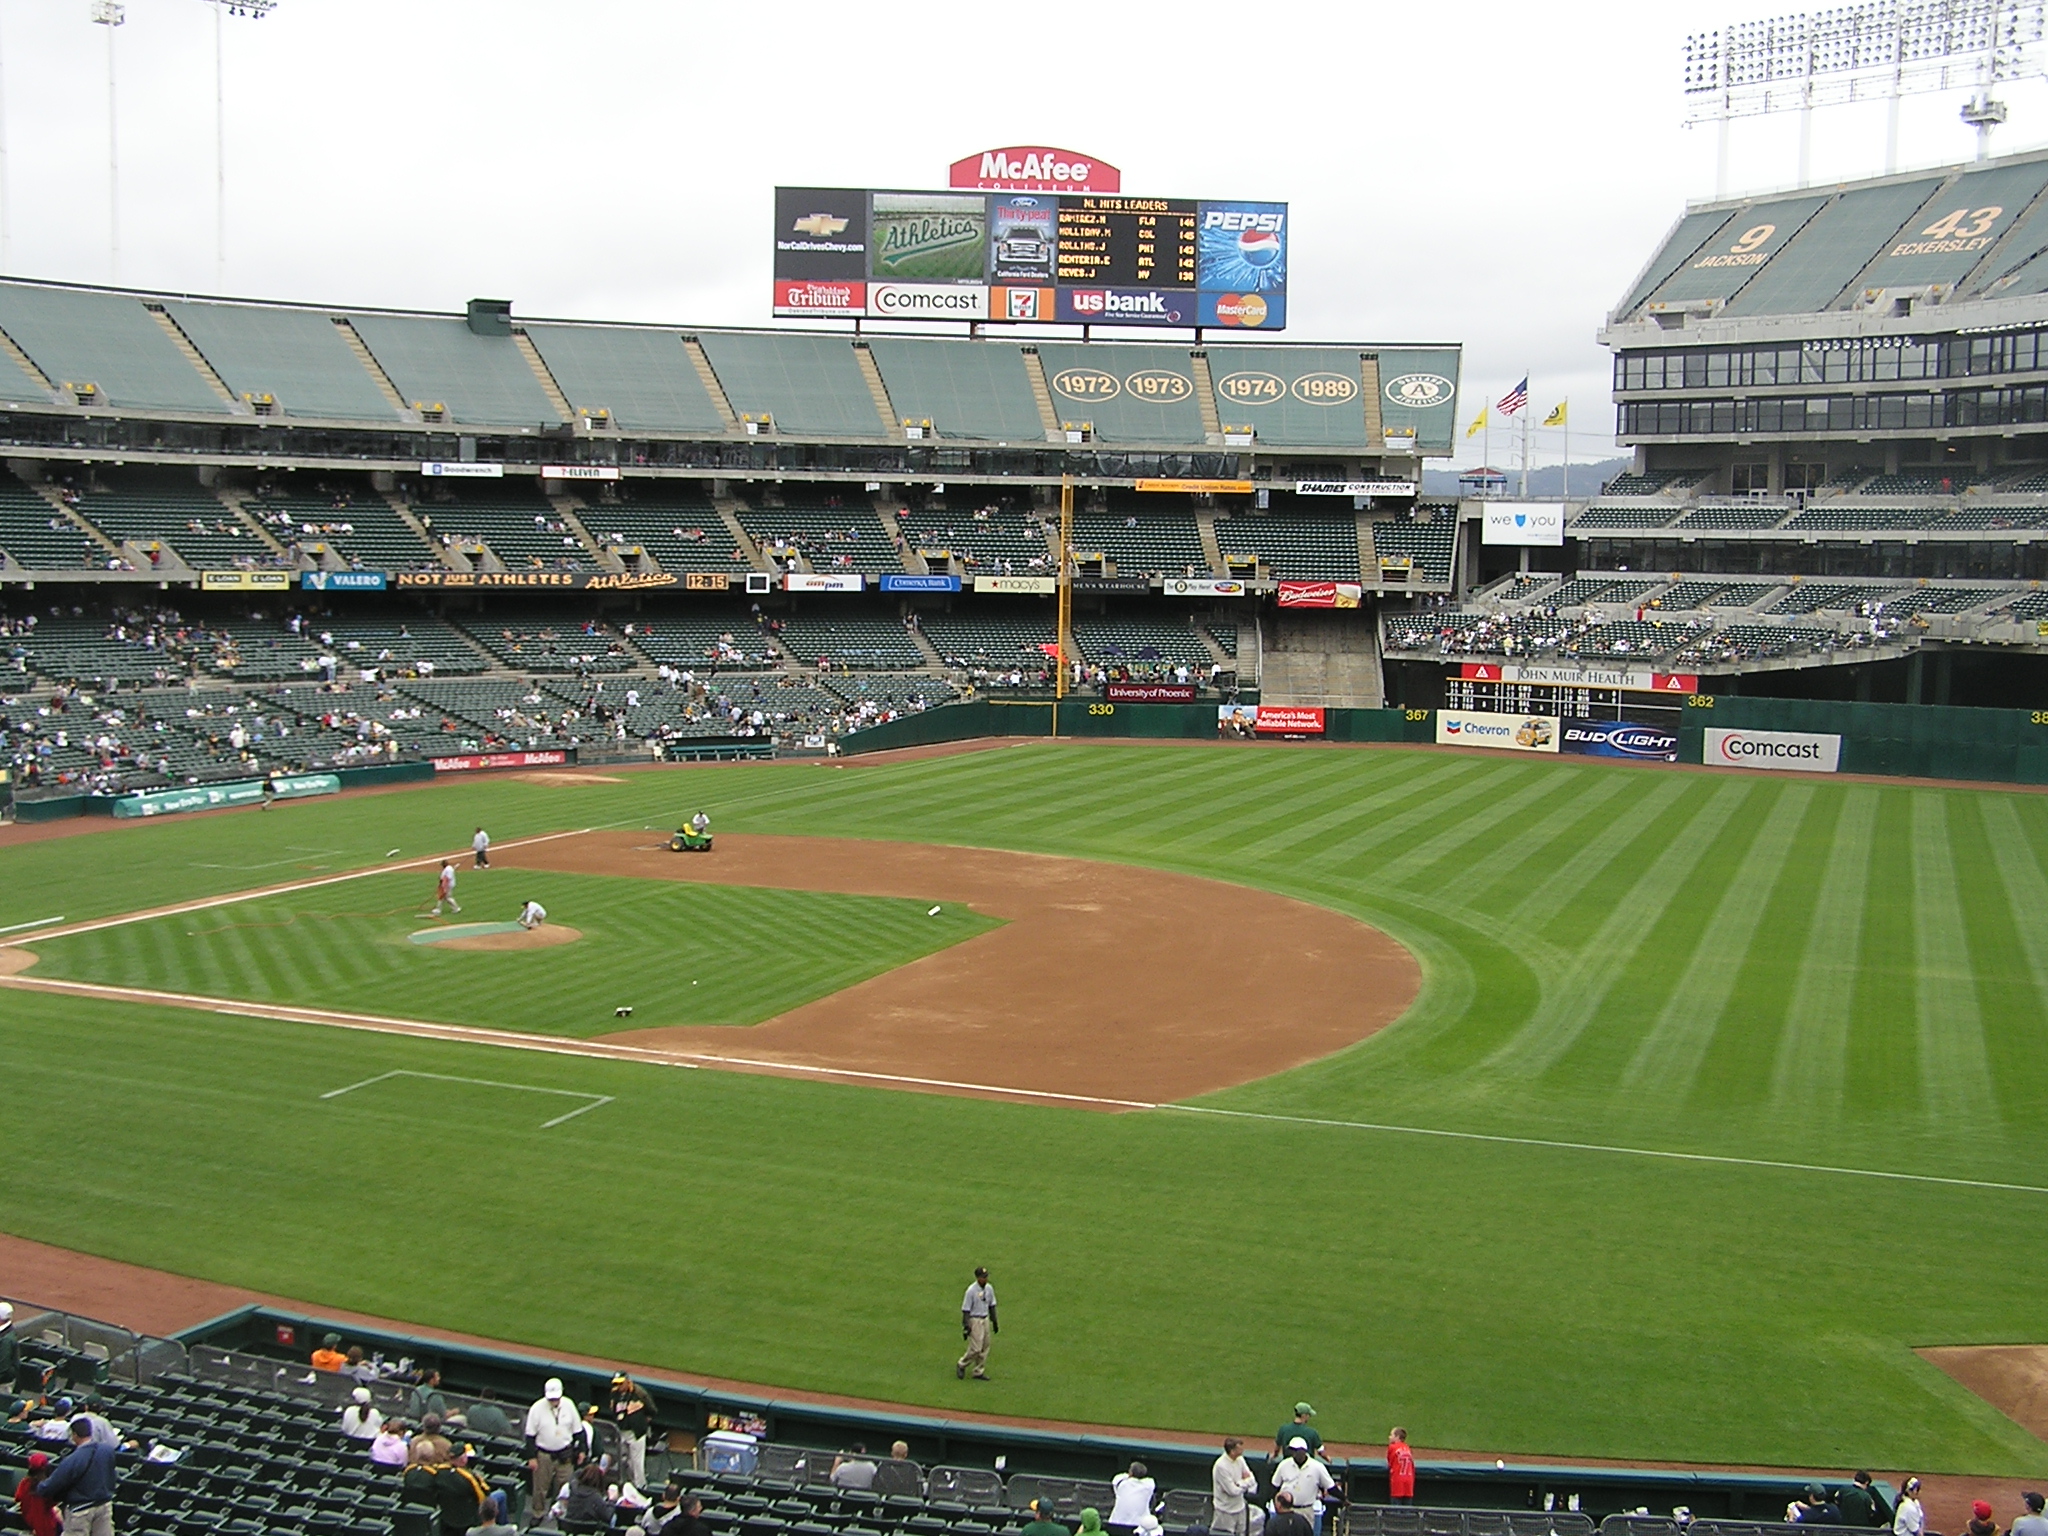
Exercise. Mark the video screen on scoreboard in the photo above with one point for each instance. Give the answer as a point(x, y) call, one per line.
point(1070, 258)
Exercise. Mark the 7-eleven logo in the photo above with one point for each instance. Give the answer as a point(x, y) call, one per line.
point(1025, 303)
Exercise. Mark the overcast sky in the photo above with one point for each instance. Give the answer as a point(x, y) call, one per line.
point(1493, 174)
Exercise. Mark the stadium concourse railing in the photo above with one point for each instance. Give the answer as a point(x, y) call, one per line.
point(1993, 746)
point(258, 1344)
point(85, 1351)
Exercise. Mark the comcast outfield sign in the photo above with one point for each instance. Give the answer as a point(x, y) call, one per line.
point(1799, 751)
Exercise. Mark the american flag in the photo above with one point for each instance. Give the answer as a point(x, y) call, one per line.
point(1515, 399)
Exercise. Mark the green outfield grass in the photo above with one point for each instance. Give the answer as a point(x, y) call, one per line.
point(1626, 960)
point(675, 953)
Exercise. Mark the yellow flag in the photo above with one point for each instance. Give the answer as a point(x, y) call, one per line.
point(1477, 422)
point(1556, 417)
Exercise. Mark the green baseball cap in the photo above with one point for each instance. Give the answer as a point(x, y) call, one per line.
point(1304, 1408)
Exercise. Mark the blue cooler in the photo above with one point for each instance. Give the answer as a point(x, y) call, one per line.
point(728, 1451)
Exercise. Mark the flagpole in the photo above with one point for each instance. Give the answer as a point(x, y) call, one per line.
point(1567, 425)
point(1525, 441)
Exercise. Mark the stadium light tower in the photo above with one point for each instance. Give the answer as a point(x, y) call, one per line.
point(256, 10)
point(1862, 51)
point(110, 14)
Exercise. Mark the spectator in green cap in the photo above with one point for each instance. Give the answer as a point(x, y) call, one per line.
point(1298, 1428)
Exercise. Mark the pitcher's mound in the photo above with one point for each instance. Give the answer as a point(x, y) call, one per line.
point(496, 936)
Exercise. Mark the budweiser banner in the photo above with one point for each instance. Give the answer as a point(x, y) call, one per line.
point(1151, 693)
point(1288, 720)
point(1320, 594)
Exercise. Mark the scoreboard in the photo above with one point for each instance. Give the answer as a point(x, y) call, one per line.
point(1132, 242)
point(1067, 258)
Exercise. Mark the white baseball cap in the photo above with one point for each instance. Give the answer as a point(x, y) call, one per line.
point(553, 1389)
point(6, 1311)
point(361, 1394)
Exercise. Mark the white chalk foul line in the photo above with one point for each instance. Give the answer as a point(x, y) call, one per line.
point(41, 922)
point(209, 903)
point(597, 1100)
point(648, 1056)
point(1617, 1151)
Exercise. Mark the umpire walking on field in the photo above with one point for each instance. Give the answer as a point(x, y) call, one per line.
point(977, 1323)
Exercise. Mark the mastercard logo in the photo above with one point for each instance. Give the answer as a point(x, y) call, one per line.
point(1240, 309)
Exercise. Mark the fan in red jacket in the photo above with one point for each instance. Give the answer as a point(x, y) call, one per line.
point(36, 1511)
point(1400, 1468)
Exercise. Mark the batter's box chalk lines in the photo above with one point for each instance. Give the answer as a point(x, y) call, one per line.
point(597, 1100)
point(1594, 1146)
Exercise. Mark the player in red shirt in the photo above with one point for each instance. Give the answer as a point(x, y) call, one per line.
point(1400, 1469)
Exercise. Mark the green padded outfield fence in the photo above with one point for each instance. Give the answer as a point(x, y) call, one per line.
point(1998, 746)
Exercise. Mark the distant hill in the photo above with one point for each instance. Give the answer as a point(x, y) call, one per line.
point(1548, 481)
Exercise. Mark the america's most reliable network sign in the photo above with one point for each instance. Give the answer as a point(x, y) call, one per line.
point(1031, 235)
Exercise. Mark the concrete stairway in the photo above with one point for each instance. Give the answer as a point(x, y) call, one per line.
point(373, 368)
point(1041, 392)
point(566, 508)
point(728, 512)
point(878, 389)
point(709, 377)
point(49, 494)
point(234, 502)
point(543, 375)
point(193, 355)
point(441, 552)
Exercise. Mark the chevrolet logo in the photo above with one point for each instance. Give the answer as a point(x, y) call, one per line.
point(819, 225)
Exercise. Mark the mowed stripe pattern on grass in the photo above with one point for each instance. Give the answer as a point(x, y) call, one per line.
point(1758, 966)
point(674, 953)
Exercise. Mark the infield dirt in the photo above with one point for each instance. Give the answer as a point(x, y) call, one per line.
point(1106, 979)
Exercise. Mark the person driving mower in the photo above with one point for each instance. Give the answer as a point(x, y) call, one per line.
point(693, 836)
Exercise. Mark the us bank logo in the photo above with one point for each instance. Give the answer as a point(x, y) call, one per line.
point(1420, 391)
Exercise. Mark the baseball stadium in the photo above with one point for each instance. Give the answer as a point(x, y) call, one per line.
point(556, 859)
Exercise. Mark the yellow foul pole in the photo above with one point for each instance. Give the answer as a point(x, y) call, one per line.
point(1064, 641)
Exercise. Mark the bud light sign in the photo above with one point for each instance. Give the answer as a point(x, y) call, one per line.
point(1620, 738)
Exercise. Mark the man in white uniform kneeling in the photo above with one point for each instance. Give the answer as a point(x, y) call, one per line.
point(532, 915)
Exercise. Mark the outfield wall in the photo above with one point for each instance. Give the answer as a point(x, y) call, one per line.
point(1995, 746)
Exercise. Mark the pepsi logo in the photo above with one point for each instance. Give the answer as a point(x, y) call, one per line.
point(1259, 247)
